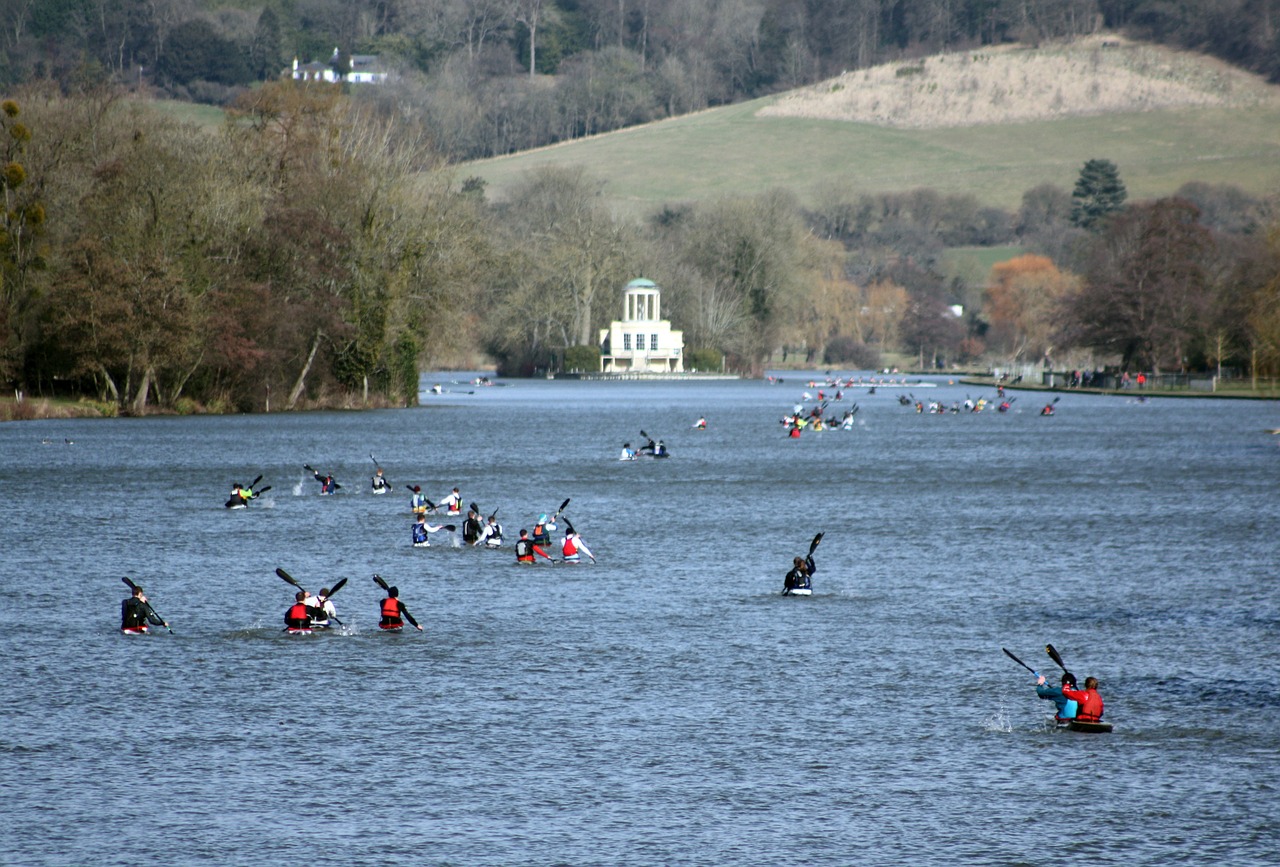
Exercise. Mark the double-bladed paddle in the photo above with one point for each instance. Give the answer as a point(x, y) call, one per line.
point(150, 610)
point(1009, 654)
point(814, 544)
point(1053, 654)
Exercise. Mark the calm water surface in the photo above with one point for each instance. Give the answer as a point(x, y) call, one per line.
point(665, 706)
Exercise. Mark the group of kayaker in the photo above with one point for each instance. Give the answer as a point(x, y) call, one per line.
point(1072, 703)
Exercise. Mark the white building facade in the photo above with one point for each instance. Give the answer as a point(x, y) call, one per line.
point(642, 341)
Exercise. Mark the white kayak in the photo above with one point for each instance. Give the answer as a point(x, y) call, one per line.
point(799, 591)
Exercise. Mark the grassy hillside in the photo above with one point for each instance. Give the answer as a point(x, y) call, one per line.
point(1212, 124)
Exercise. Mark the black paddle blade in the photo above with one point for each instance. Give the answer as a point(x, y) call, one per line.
point(336, 587)
point(568, 527)
point(265, 488)
point(377, 579)
point(1053, 654)
point(309, 468)
point(286, 576)
point(255, 481)
point(814, 544)
point(1009, 654)
point(643, 434)
point(450, 527)
point(475, 509)
point(494, 515)
point(563, 505)
point(126, 580)
point(375, 460)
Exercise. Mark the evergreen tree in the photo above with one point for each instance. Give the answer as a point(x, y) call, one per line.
point(1099, 193)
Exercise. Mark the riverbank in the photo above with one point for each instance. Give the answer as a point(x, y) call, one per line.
point(1236, 393)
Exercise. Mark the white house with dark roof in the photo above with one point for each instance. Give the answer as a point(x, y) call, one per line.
point(361, 69)
point(641, 341)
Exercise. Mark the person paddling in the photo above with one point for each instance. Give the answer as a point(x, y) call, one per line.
point(491, 536)
point(327, 484)
point(421, 528)
point(799, 580)
point(1066, 708)
point(471, 528)
point(542, 531)
point(394, 614)
point(298, 616)
point(322, 609)
point(452, 503)
point(136, 612)
point(418, 502)
point(526, 550)
point(628, 453)
point(379, 482)
point(573, 547)
point(1089, 700)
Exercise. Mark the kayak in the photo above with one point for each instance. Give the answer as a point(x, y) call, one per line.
point(391, 628)
point(229, 505)
point(290, 630)
point(801, 591)
point(133, 630)
point(379, 490)
point(1079, 725)
point(422, 544)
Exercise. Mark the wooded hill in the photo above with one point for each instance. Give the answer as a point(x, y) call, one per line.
point(497, 76)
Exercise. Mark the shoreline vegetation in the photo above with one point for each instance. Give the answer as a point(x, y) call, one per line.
point(44, 408)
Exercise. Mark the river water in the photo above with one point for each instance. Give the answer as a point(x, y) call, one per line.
point(666, 705)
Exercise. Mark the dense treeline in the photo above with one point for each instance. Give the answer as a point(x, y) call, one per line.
point(309, 253)
point(495, 76)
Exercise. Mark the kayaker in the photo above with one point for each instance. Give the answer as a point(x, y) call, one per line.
point(298, 616)
point(240, 496)
point(420, 530)
point(321, 609)
point(452, 503)
point(526, 549)
point(379, 482)
point(628, 453)
point(573, 544)
point(327, 484)
point(418, 502)
point(649, 447)
point(136, 612)
point(491, 536)
point(471, 528)
point(1090, 702)
point(542, 531)
point(701, 423)
point(660, 450)
point(1048, 409)
point(1066, 708)
point(394, 613)
point(801, 575)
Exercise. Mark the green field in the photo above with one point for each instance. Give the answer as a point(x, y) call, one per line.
point(730, 151)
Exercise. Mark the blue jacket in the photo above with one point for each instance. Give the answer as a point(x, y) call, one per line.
point(1066, 707)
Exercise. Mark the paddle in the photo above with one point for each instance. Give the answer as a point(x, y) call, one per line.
point(563, 506)
point(1053, 654)
point(257, 494)
point(151, 610)
point(1009, 654)
point(814, 544)
point(287, 577)
point(377, 579)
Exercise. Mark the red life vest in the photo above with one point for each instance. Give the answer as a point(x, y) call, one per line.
point(391, 612)
point(569, 549)
point(1089, 701)
point(298, 611)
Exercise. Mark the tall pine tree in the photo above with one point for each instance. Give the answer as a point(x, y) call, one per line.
point(1099, 193)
